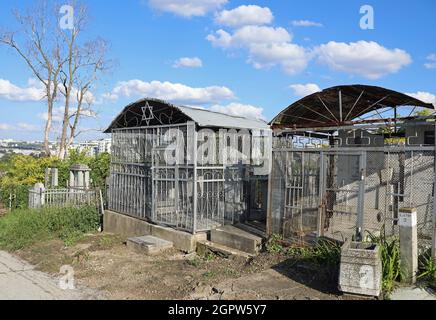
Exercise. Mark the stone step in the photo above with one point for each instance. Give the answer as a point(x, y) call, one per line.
point(204, 247)
point(149, 245)
point(251, 228)
point(236, 238)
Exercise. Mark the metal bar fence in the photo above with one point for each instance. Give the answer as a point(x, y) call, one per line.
point(59, 198)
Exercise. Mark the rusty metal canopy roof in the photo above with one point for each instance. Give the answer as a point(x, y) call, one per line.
point(156, 112)
point(341, 105)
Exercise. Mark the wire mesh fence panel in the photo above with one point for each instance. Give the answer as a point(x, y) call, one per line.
point(356, 189)
point(302, 182)
point(341, 194)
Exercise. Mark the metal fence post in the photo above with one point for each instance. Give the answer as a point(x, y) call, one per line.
point(195, 198)
point(321, 203)
point(361, 200)
point(433, 243)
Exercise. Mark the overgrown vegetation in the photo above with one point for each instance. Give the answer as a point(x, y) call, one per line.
point(427, 268)
point(23, 227)
point(19, 172)
point(390, 256)
point(324, 252)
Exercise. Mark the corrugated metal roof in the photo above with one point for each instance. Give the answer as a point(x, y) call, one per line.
point(207, 118)
point(165, 113)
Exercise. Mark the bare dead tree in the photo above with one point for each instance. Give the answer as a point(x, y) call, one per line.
point(85, 63)
point(39, 44)
point(63, 61)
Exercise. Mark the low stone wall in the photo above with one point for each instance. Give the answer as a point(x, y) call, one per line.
point(130, 227)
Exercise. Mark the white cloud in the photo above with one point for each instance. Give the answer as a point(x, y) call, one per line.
point(174, 92)
point(28, 127)
point(238, 109)
point(302, 90)
point(306, 23)
point(291, 57)
point(188, 62)
point(363, 58)
point(266, 46)
point(9, 91)
point(431, 61)
point(187, 8)
point(249, 35)
point(244, 15)
point(5, 126)
point(423, 96)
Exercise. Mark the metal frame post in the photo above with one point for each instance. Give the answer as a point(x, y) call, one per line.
point(433, 243)
point(361, 201)
point(195, 195)
point(321, 207)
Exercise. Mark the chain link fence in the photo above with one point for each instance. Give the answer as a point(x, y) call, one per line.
point(336, 193)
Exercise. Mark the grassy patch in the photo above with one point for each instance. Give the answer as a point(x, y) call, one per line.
point(274, 244)
point(325, 252)
point(209, 275)
point(22, 228)
point(427, 268)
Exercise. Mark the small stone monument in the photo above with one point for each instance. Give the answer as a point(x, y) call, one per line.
point(79, 176)
point(37, 196)
point(408, 244)
point(360, 269)
point(51, 177)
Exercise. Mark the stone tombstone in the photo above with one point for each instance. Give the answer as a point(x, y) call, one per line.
point(79, 176)
point(37, 196)
point(51, 177)
point(360, 269)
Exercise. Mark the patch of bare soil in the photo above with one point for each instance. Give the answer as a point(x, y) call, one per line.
point(103, 262)
point(3, 210)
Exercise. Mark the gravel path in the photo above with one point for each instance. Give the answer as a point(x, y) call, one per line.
point(20, 281)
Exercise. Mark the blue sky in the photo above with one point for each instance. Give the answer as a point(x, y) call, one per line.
point(243, 57)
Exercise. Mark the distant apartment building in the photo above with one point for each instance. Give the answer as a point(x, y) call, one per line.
point(94, 147)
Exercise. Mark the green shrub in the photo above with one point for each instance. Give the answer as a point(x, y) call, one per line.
point(20, 172)
point(21, 228)
point(427, 268)
point(324, 252)
point(390, 257)
point(274, 244)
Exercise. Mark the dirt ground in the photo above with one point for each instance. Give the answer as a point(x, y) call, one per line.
point(3, 210)
point(103, 262)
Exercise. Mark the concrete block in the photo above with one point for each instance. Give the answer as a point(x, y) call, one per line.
point(182, 240)
point(237, 239)
point(124, 225)
point(149, 245)
point(360, 269)
point(205, 247)
point(132, 227)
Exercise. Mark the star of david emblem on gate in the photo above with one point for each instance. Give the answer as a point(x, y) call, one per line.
point(147, 113)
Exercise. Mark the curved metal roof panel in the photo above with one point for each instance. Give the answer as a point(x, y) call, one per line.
point(151, 111)
point(341, 105)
